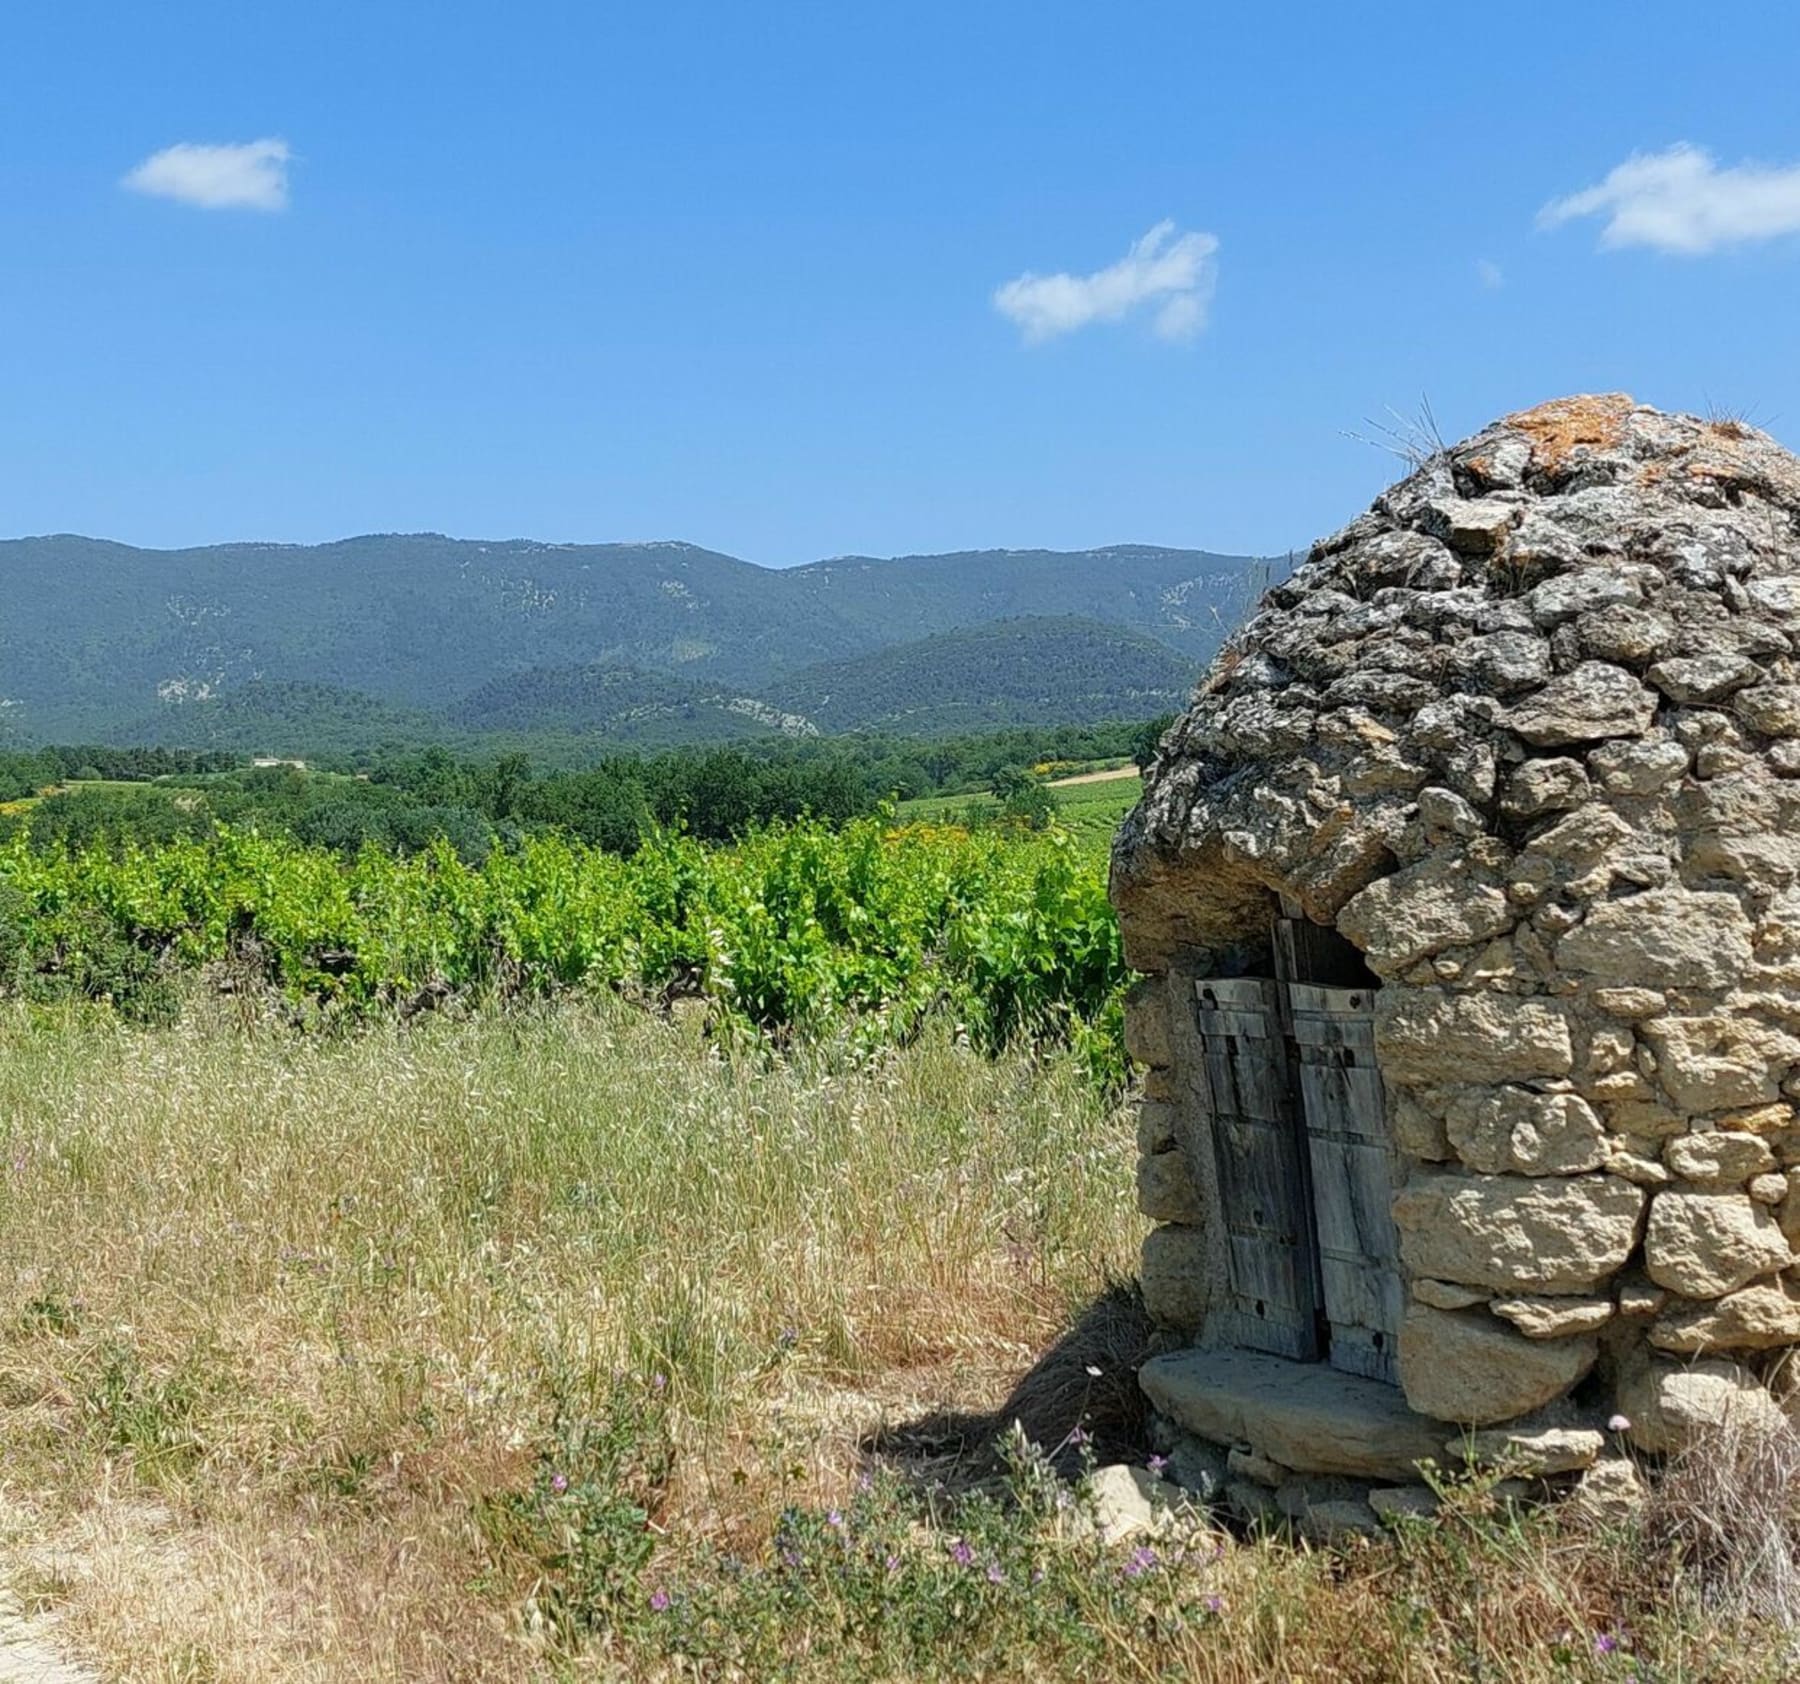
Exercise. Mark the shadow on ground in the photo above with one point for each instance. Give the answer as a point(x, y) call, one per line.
point(1084, 1384)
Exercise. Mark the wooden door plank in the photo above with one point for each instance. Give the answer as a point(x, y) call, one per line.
point(1352, 1176)
point(1273, 1302)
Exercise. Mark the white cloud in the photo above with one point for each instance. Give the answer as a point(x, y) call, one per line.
point(1681, 201)
point(250, 176)
point(1167, 273)
point(1489, 274)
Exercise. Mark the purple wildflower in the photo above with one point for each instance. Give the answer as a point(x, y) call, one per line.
point(893, 1564)
point(658, 1381)
point(559, 1483)
point(996, 1574)
point(1605, 1643)
point(1215, 1604)
point(835, 1520)
point(1078, 1435)
point(1619, 1424)
point(659, 1601)
point(1156, 1464)
point(1140, 1561)
point(961, 1554)
point(790, 1557)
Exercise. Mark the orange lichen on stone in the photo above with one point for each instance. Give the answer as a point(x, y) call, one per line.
point(1559, 427)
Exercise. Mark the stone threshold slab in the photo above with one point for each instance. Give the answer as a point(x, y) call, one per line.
point(1305, 1415)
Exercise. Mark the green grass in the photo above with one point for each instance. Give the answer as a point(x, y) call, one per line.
point(298, 1298)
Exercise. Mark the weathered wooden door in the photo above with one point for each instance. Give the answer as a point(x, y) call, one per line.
point(1351, 1174)
point(1273, 1303)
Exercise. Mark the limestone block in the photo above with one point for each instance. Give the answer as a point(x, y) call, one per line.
point(1640, 1299)
point(1619, 1087)
point(1423, 909)
point(1610, 1048)
point(1716, 1159)
point(1447, 1295)
point(1779, 595)
point(1772, 709)
point(1349, 853)
point(1646, 1120)
point(1771, 1119)
point(1632, 1004)
point(1503, 662)
point(1158, 1126)
point(1587, 836)
point(1662, 938)
point(1304, 1415)
point(1638, 1168)
point(1759, 862)
point(1160, 1085)
point(1704, 1245)
point(1638, 768)
point(1517, 1234)
point(1473, 525)
point(1755, 1318)
point(1444, 813)
point(1147, 1022)
point(1545, 786)
point(1611, 1493)
point(1770, 1189)
point(1704, 678)
point(1629, 636)
point(1708, 1063)
point(1581, 592)
point(1669, 1403)
point(1418, 1130)
point(1544, 1316)
point(1176, 1277)
point(1717, 760)
point(1165, 1188)
point(1425, 1037)
point(1129, 1502)
point(1465, 1366)
point(1740, 806)
point(1513, 1128)
point(1528, 1450)
point(1595, 701)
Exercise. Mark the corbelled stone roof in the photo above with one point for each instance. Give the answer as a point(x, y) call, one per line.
point(1547, 585)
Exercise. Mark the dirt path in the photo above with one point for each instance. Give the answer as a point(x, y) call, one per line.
point(1113, 776)
point(26, 1656)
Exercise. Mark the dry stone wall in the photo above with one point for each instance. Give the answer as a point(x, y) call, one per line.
point(1527, 733)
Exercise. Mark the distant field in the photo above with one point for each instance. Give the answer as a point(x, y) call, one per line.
point(1091, 810)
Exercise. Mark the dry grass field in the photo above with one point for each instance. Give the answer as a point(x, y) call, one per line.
point(555, 1345)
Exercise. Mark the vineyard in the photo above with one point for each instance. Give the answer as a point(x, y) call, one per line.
point(800, 930)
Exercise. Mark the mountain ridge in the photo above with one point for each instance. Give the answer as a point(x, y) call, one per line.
point(101, 638)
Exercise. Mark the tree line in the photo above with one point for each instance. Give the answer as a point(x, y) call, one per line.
point(403, 801)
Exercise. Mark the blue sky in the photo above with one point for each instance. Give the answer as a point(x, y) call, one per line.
point(737, 273)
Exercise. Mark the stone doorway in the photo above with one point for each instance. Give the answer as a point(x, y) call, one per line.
point(1285, 1097)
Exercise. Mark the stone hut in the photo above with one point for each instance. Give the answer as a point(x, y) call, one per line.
point(1466, 899)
